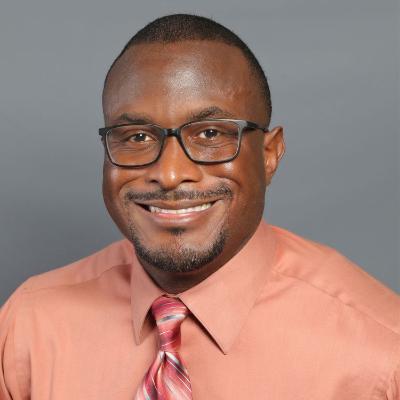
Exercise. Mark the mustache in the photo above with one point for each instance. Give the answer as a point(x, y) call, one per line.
point(175, 195)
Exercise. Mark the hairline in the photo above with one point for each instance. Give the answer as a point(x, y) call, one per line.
point(252, 68)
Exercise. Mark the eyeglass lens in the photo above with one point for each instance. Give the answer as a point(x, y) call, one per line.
point(206, 141)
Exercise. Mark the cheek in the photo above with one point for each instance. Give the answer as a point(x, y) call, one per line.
point(248, 172)
point(114, 179)
point(252, 177)
point(246, 177)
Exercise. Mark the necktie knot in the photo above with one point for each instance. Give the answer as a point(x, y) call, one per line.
point(169, 312)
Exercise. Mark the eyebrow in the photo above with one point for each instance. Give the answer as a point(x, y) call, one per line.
point(208, 112)
point(133, 118)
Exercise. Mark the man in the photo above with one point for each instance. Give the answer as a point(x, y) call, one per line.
point(202, 300)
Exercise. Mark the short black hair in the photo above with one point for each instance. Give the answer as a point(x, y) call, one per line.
point(183, 27)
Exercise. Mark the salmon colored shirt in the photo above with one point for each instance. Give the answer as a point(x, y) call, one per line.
point(285, 319)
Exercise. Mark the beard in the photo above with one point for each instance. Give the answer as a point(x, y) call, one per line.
point(176, 256)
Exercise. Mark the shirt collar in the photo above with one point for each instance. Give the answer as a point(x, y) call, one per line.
point(222, 302)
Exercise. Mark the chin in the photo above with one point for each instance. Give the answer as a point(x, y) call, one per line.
point(178, 253)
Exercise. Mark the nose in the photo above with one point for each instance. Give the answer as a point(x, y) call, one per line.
point(173, 167)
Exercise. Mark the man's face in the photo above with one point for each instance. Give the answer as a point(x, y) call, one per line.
point(169, 85)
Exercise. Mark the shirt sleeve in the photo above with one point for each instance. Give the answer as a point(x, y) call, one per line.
point(393, 392)
point(9, 389)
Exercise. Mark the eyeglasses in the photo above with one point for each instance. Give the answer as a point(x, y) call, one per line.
point(205, 141)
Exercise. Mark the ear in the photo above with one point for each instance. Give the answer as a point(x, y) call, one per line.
point(274, 148)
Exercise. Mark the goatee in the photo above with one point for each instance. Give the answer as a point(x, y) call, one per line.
point(177, 257)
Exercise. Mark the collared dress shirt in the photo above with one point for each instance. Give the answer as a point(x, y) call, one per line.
point(284, 319)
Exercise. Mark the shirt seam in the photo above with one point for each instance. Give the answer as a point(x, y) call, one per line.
point(28, 290)
point(339, 300)
point(17, 377)
point(375, 386)
point(391, 375)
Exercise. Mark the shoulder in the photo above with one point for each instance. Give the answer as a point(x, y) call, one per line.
point(83, 270)
point(350, 318)
point(55, 305)
point(323, 269)
point(59, 284)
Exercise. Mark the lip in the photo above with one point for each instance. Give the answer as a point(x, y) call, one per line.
point(169, 220)
point(175, 205)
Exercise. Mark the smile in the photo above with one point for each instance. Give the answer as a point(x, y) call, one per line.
point(198, 208)
point(170, 213)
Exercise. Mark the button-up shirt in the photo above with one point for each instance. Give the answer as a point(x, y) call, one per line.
point(285, 318)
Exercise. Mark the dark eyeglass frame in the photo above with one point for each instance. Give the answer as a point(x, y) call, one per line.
point(243, 125)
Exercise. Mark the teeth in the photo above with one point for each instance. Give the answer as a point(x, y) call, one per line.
point(180, 211)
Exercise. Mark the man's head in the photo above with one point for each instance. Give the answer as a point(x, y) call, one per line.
point(185, 218)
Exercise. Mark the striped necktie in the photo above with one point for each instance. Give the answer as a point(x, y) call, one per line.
point(167, 378)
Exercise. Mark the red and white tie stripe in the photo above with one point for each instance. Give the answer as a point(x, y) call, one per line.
point(167, 378)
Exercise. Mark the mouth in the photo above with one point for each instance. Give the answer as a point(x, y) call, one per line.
point(176, 208)
point(199, 208)
point(186, 214)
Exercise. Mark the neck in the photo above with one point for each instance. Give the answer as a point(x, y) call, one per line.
point(178, 282)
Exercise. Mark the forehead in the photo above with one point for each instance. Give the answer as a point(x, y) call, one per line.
point(167, 82)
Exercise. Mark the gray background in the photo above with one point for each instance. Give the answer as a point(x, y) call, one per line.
point(333, 68)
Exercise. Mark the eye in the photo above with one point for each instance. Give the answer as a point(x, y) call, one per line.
point(209, 134)
point(140, 137)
